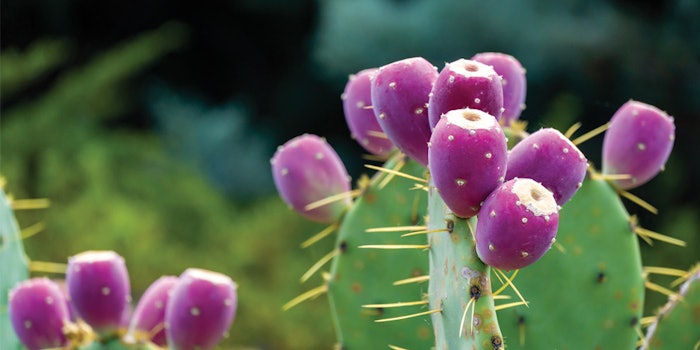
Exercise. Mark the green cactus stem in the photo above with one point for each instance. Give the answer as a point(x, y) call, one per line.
point(460, 284)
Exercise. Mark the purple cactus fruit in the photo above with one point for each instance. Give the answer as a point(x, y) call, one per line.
point(148, 320)
point(363, 124)
point(468, 155)
point(38, 311)
point(466, 84)
point(99, 289)
point(637, 143)
point(514, 83)
point(200, 310)
point(549, 158)
point(307, 169)
point(400, 98)
point(517, 224)
point(64, 289)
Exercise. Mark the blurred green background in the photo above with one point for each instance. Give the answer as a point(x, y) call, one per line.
point(150, 125)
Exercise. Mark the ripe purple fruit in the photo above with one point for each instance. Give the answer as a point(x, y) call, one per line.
point(637, 143)
point(466, 84)
point(99, 289)
point(517, 224)
point(148, 320)
point(200, 310)
point(38, 311)
point(307, 169)
point(363, 124)
point(549, 158)
point(514, 83)
point(467, 156)
point(400, 98)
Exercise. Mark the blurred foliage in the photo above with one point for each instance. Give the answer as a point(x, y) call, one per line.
point(210, 137)
point(119, 190)
point(20, 68)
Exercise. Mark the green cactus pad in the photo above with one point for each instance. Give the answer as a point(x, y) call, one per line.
point(364, 276)
point(459, 284)
point(13, 267)
point(677, 324)
point(588, 291)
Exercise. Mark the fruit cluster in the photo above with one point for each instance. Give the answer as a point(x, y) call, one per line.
point(452, 122)
point(194, 310)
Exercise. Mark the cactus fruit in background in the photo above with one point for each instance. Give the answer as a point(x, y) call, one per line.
point(637, 143)
point(513, 80)
point(467, 155)
point(200, 310)
point(14, 266)
point(99, 289)
point(677, 324)
point(306, 169)
point(39, 311)
point(518, 224)
point(148, 320)
point(466, 84)
point(551, 159)
point(357, 108)
point(199, 317)
point(400, 93)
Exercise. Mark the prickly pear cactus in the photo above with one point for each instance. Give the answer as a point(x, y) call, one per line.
point(362, 274)
point(13, 267)
point(677, 325)
point(489, 210)
point(588, 292)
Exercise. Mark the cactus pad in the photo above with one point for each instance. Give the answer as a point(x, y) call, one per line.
point(364, 276)
point(13, 267)
point(677, 325)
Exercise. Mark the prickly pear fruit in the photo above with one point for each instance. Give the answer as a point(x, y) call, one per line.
point(637, 143)
point(307, 169)
point(148, 320)
point(466, 84)
point(468, 155)
point(363, 124)
point(517, 224)
point(549, 158)
point(99, 289)
point(400, 98)
point(200, 310)
point(38, 311)
point(513, 82)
